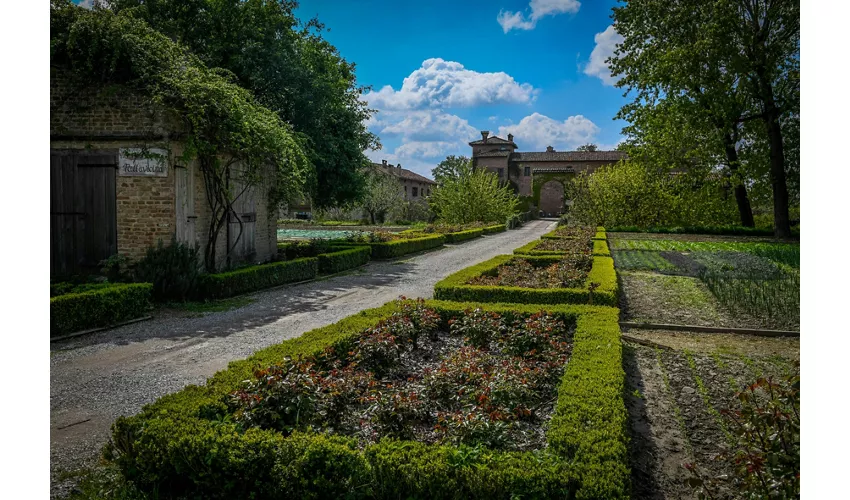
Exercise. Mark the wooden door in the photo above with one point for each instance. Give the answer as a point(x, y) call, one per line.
point(242, 226)
point(185, 223)
point(83, 214)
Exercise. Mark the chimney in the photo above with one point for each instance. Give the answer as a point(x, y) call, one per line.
point(484, 134)
point(384, 162)
point(550, 149)
point(510, 137)
point(399, 165)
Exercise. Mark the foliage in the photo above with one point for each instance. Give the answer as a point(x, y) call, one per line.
point(477, 327)
point(455, 287)
point(564, 246)
point(785, 253)
point(63, 288)
point(569, 272)
point(452, 168)
point(496, 228)
point(227, 131)
point(774, 301)
point(402, 246)
point(103, 306)
point(719, 230)
point(177, 447)
point(342, 260)
point(630, 194)
point(765, 456)
point(116, 268)
point(641, 260)
point(587, 147)
point(461, 236)
point(381, 197)
point(173, 270)
point(249, 279)
point(289, 67)
point(473, 196)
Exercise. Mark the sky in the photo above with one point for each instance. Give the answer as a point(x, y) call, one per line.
point(442, 71)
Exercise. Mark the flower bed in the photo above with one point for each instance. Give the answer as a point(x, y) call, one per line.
point(193, 444)
point(599, 287)
point(564, 246)
point(97, 305)
point(569, 271)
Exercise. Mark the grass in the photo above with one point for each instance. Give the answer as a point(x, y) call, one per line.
point(660, 298)
point(785, 253)
point(213, 305)
point(641, 261)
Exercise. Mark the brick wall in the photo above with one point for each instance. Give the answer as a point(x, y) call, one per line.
point(146, 213)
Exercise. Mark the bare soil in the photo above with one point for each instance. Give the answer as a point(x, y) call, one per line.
point(674, 396)
point(679, 300)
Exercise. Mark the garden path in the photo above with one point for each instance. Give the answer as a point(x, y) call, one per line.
point(97, 378)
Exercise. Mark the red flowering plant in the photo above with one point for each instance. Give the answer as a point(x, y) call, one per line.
point(477, 327)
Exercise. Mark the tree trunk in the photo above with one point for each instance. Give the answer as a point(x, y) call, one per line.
point(745, 210)
point(781, 222)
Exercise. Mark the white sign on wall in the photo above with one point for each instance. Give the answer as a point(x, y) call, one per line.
point(139, 162)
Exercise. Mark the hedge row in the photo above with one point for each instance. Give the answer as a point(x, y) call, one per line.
point(342, 260)
point(454, 287)
point(463, 235)
point(396, 248)
point(600, 249)
point(101, 307)
point(249, 279)
point(552, 235)
point(175, 447)
point(496, 228)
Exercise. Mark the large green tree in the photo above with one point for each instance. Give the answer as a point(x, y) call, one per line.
point(451, 168)
point(727, 61)
point(475, 195)
point(289, 67)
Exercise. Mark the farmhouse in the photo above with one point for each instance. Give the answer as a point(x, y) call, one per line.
point(415, 187)
point(539, 178)
point(118, 184)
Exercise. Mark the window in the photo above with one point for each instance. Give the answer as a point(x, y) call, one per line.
point(415, 192)
point(405, 191)
point(501, 173)
point(526, 171)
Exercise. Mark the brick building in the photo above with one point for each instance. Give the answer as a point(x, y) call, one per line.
point(118, 184)
point(415, 187)
point(539, 178)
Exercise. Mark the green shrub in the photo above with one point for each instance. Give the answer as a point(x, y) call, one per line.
point(454, 287)
point(496, 228)
point(341, 260)
point(222, 285)
point(463, 235)
point(600, 248)
point(183, 446)
point(173, 270)
point(57, 289)
point(103, 306)
point(397, 248)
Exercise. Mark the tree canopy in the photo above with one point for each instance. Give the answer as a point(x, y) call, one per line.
point(451, 168)
point(290, 68)
point(475, 195)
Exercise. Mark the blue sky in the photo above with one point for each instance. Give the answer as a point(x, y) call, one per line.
point(519, 66)
point(441, 71)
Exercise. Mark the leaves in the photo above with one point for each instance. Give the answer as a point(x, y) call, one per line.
point(473, 196)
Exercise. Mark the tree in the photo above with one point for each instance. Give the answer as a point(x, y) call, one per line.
point(733, 61)
point(451, 168)
point(238, 144)
point(587, 147)
point(475, 195)
point(290, 68)
point(381, 196)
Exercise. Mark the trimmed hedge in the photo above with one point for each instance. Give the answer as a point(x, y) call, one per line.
point(551, 235)
point(454, 287)
point(104, 306)
point(397, 248)
point(496, 228)
point(249, 279)
point(336, 262)
point(177, 447)
point(600, 248)
point(463, 235)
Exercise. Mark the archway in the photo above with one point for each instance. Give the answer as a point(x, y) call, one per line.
point(552, 198)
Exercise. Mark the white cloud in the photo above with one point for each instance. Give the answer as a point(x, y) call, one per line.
point(538, 131)
point(423, 149)
point(539, 9)
point(427, 125)
point(438, 83)
point(606, 42)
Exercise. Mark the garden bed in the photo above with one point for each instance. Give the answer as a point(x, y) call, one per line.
point(564, 246)
point(196, 443)
point(676, 399)
point(482, 283)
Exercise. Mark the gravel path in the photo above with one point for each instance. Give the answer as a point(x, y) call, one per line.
point(97, 378)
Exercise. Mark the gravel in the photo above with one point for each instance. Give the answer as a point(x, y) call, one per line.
point(95, 379)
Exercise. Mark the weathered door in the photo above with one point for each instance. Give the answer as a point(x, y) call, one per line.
point(185, 223)
point(242, 226)
point(83, 215)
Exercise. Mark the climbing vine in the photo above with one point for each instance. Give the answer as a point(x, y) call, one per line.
point(238, 143)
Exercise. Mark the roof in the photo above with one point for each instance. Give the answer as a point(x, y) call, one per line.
point(402, 173)
point(570, 156)
point(492, 140)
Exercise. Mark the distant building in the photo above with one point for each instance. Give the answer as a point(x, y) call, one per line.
point(415, 187)
point(537, 177)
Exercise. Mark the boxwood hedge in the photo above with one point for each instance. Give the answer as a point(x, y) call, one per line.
point(600, 248)
point(175, 448)
point(454, 287)
point(463, 235)
point(496, 228)
point(552, 235)
point(397, 248)
point(103, 306)
point(249, 279)
point(344, 259)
